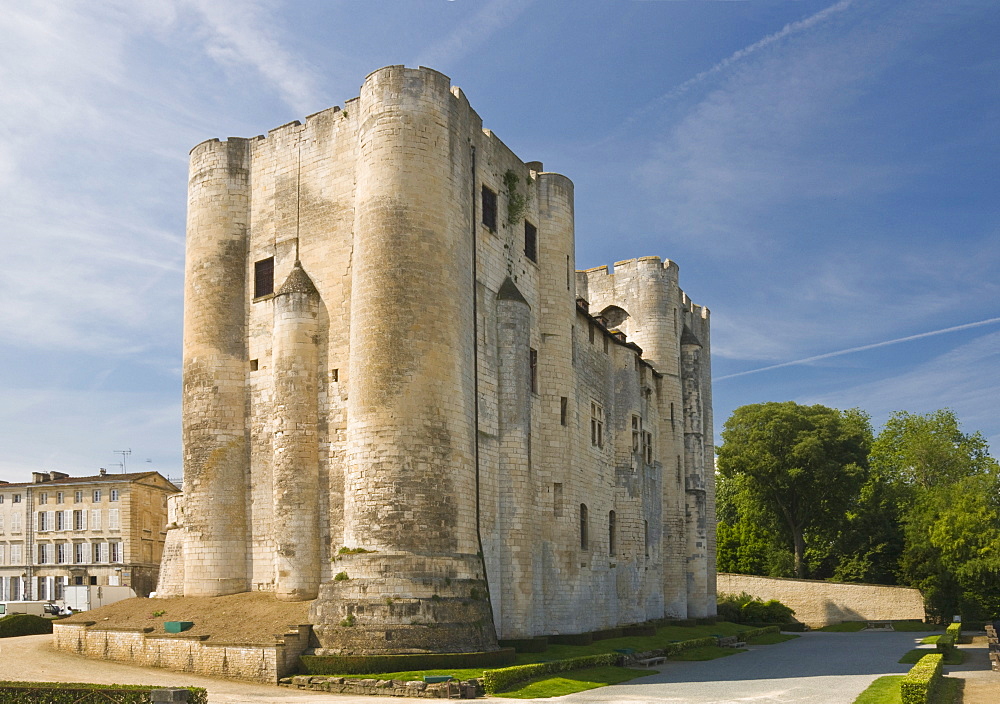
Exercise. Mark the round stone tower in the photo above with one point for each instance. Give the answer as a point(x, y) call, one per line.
point(296, 449)
point(410, 576)
point(214, 370)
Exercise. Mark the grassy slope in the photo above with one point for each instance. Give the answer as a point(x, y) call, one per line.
point(574, 681)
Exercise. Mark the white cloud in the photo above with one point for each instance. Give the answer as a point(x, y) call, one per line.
point(472, 33)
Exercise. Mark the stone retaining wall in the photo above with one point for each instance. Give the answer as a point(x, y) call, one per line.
point(818, 603)
point(385, 688)
point(257, 663)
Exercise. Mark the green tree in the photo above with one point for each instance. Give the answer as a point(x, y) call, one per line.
point(804, 465)
point(948, 491)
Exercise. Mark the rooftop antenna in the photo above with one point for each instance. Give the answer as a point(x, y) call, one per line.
point(124, 454)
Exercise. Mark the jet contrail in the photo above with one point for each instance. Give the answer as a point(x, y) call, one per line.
point(838, 353)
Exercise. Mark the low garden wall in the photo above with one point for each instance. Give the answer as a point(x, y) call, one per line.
point(818, 603)
point(257, 663)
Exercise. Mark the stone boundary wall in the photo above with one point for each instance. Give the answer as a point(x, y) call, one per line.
point(257, 663)
point(818, 603)
point(385, 688)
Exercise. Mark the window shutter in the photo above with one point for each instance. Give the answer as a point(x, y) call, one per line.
point(95, 519)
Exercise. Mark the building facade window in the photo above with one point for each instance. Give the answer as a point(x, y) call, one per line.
point(533, 370)
point(95, 519)
point(79, 520)
point(80, 553)
point(557, 499)
point(636, 433)
point(15, 522)
point(42, 554)
point(60, 496)
point(116, 551)
point(563, 410)
point(62, 553)
point(584, 538)
point(647, 446)
point(645, 538)
point(612, 537)
point(114, 495)
point(263, 277)
point(530, 241)
point(97, 496)
point(114, 522)
point(78, 497)
point(489, 208)
point(16, 554)
point(43, 498)
point(596, 424)
point(15, 499)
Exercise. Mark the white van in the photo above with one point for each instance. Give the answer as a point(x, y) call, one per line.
point(36, 608)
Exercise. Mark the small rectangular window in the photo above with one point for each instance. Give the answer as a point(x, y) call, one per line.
point(97, 496)
point(263, 277)
point(636, 432)
point(489, 208)
point(533, 369)
point(15, 499)
point(647, 446)
point(60, 497)
point(254, 365)
point(563, 410)
point(43, 498)
point(77, 497)
point(114, 494)
point(557, 500)
point(596, 424)
point(335, 375)
point(530, 241)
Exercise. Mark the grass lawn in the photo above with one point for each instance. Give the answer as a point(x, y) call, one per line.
point(930, 639)
point(885, 690)
point(952, 657)
point(914, 626)
point(573, 681)
point(845, 627)
point(772, 638)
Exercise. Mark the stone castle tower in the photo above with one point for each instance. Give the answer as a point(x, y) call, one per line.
point(403, 402)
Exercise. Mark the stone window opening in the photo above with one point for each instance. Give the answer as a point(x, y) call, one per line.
point(254, 365)
point(612, 527)
point(533, 369)
point(584, 539)
point(645, 538)
point(335, 375)
point(596, 424)
point(489, 208)
point(636, 433)
point(263, 277)
point(563, 409)
point(557, 500)
point(530, 241)
point(568, 272)
point(647, 446)
point(15, 499)
point(43, 498)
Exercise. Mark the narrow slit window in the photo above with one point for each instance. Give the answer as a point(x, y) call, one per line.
point(612, 548)
point(530, 241)
point(557, 499)
point(489, 208)
point(533, 369)
point(563, 410)
point(636, 431)
point(263, 277)
point(584, 541)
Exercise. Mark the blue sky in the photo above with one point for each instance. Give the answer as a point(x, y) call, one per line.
point(824, 173)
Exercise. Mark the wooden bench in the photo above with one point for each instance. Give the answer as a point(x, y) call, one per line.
point(649, 662)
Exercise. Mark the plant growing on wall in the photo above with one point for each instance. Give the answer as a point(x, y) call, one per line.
point(517, 202)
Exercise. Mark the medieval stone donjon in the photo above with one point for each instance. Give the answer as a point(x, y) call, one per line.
point(402, 401)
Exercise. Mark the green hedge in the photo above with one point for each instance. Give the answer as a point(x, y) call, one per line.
point(955, 631)
point(527, 645)
point(498, 680)
point(945, 642)
point(13, 625)
point(85, 693)
point(572, 639)
point(754, 632)
point(920, 682)
point(366, 664)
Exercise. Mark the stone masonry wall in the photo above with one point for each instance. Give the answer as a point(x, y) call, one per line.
point(817, 603)
point(257, 663)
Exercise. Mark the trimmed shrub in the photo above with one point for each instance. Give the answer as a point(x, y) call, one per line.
point(366, 664)
point(955, 631)
point(85, 693)
point(920, 682)
point(608, 634)
point(945, 642)
point(572, 639)
point(13, 625)
point(641, 630)
point(498, 680)
point(527, 645)
point(754, 632)
point(746, 608)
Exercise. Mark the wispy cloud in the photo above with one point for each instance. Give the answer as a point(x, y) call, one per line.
point(862, 348)
point(473, 33)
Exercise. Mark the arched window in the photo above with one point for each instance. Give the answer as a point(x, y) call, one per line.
point(611, 533)
point(584, 542)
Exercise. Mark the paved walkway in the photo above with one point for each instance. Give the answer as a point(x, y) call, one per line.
point(818, 668)
point(982, 685)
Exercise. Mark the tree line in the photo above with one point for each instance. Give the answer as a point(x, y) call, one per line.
point(813, 492)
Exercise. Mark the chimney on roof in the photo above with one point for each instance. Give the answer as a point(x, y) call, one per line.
point(57, 475)
point(39, 477)
point(583, 305)
point(103, 471)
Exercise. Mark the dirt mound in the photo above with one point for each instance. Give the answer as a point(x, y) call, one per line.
point(252, 617)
